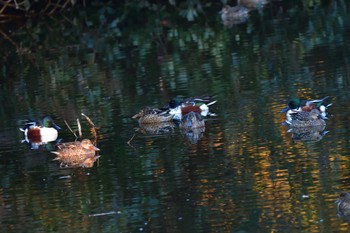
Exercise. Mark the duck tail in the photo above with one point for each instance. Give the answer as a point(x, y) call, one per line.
point(325, 98)
point(328, 105)
point(318, 100)
point(204, 98)
point(212, 114)
point(211, 103)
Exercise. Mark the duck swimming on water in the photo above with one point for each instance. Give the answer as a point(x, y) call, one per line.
point(234, 15)
point(77, 154)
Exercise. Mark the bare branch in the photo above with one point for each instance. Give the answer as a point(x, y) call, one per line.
point(70, 129)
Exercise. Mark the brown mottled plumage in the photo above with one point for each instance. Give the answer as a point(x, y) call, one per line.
point(306, 119)
point(77, 154)
point(157, 128)
point(149, 115)
point(309, 133)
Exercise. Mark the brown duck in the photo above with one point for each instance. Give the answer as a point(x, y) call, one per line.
point(150, 115)
point(77, 154)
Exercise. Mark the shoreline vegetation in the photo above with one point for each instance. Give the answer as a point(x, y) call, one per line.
point(17, 9)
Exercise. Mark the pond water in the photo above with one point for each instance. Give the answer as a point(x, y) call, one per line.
point(244, 173)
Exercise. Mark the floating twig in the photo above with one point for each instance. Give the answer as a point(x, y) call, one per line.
point(131, 139)
point(103, 214)
point(79, 128)
point(88, 119)
point(70, 129)
point(17, 6)
point(9, 39)
point(93, 129)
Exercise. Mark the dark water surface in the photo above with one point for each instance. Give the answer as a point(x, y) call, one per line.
point(245, 173)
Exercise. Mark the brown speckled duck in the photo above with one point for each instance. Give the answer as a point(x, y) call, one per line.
point(158, 128)
point(150, 115)
point(312, 133)
point(306, 119)
point(77, 154)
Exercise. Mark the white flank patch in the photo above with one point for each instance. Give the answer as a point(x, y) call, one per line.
point(204, 107)
point(176, 112)
point(288, 115)
point(48, 134)
point(205, 112)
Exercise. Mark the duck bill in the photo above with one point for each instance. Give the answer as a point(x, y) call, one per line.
point(138, 115)
point(285, 109)
point(56, 126)
point(94, 148)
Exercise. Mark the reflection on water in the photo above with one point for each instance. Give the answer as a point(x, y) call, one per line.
point(244, 172)
point(193, 135)
point(157, 128)
point(343, 205)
